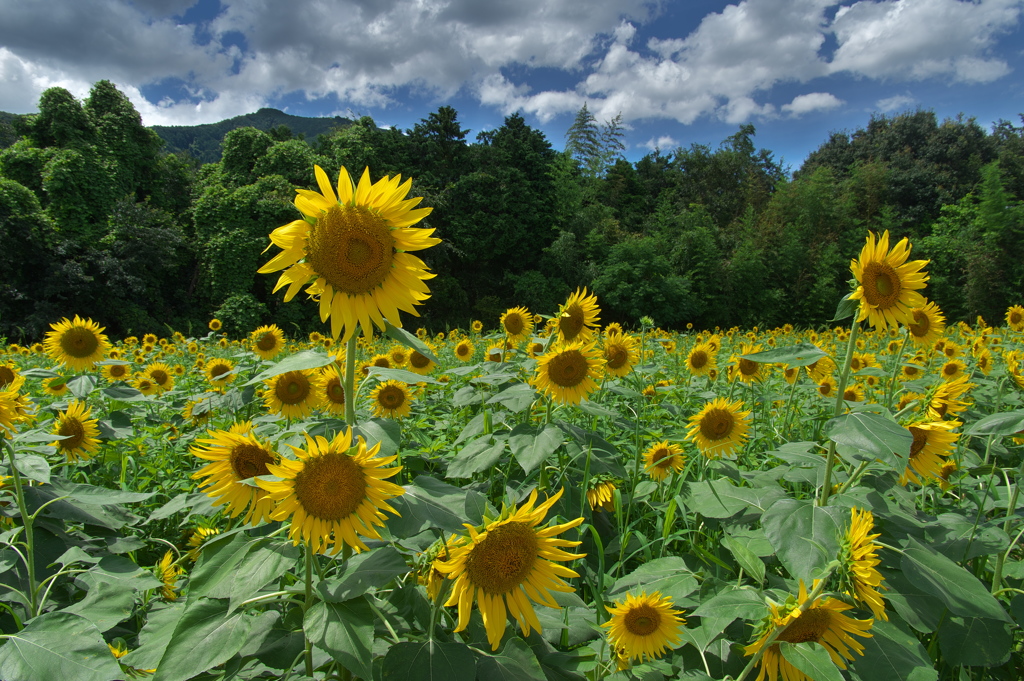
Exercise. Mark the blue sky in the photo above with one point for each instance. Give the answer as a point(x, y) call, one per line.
point(679, 72)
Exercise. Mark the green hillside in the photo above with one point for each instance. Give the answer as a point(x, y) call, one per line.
point(203, 141)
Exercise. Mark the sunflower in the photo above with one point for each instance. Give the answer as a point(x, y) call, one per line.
point(168, 571)
point(219, 372)
point(644, 626)
point(827, 387)
point(354, 247)
point(235, 455)
point(662, 458)
point(391, 399)
point(215, 325)
point(791, 374)
point(933, 442)
point(477, 326)
point(701, 360)
point(749, 371)
point(620, 354)
point(534, 349)
point(380, 360)
point(293, 394)
point(199, 537)
point(8, 372)
point(719, 428)
point(399, 356)
point(601, 494)
point(911, 371)
point(578, 316)
point(517, 322)
point(79, 343)
point(267, 341)
point(821, 621)
point(420, 363)
point(14, 407)
point(854, 392)
point(1015, 318)
point(946, 398)
point(887, 284)
point(984, 361)
point(196, 414)
point(858, 558)
point(55, 386)
point(145, 385)
point(116, 372)
point(80, 433)
point(507, 564)
point(952, 369)
point(494, 354)
point(569, 373)
point(161, 375)
point(862, 360)
point(333, 492)
point(332, 398)
point(820, 369)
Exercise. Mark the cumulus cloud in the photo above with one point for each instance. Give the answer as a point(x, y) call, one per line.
point(814, 101)
point(895, 103)
point(662, 143)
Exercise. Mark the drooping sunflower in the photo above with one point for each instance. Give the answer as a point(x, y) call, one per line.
point(600, 494)
point(927, 324)
point(946, 398)
point(644, 626)
point(858, 559)
point(933, 442)
point(1015, 317)
point(983, 361)
point(662, 458)
point(391, 399)
point(161, 374)
point(620, 354)
point(293, 394)
point(507, 564)
point(235, 455)
point(333, 492)
point(517, 322)
point(701, 360)
point(14, 407)
point(79, 343)
point(168, 572)
point(820, 369)
point(719, 428)
point(578, 316)
point(821, 621)
point(332, 384)
point(355, 249)
point(219, 371)
point(81, 433)
point(888, 285)
point(568, 373)
point(199, 537)
point(267, 341)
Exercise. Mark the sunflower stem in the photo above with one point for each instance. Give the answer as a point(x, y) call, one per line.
point(789, 405)
point(350, 380)
point(844, 377)
point(306, 605)
point(27, 520)
point(890, 389)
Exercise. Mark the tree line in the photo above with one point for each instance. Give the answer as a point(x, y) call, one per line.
point(98, 220)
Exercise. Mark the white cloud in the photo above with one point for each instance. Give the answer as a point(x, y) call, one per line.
point(813, 101)
point(895, 103)
point(662, 143)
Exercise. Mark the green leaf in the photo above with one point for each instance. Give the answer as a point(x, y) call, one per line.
point(385, 431)
point(221, 555)
point(307, 359)
point(892, 653)
point(105, 604)
point(57, 645)
point(515, 397)
point(364, 571)
point(873, 437)
point(155, 635)
point(805, 536)
point(428, 502)
point(722, 499)
point(408, 340)
point(345, 630)
point(514, 662)
point(668, 575)
point(1004, 423)
point(401, 375)
point(974, 642)
point(479, 455)
point(124, 393)
point(745, 557)
point(263, 564)
point(960, 590)
point(594, 409)
point(203, 638)
point(812, 659)
point(33, 467)
point(531, 447)
point(729, 605)
point(81, 386)
point(429, 661)
point(845, 309)
point(799, 355)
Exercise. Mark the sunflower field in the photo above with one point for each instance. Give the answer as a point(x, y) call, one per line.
point(549, 499)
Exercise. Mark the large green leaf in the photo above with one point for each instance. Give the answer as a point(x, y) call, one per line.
point(364, 571)
point(871, 436)
point(307, 359)
point(220, 558)
point(514, 662)
point(477, 456)
point(960, 590)
point(532, 446)
point(892, 653)
point(744, 557)
point(124, 393)
point(105, 604)
point(799, 355)
point(805, 536)
point(516, 397)
point(1004, 423)
point(262, 564)
point(384, 431)
point(345, 630)
point(161, 622)
point(722, 499)
point(668, 575)
point(729, 605)
point(428, 502)
point(33, 467)
point(57, 645)
point(975, 642)
point(81, 386)
point(400, 375)
point(429, 661)
point(203, 638)
point(812, 659)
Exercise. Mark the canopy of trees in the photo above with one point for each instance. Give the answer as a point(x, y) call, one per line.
point(98, 219)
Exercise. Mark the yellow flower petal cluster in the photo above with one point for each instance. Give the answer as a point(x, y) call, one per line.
point(78, 343)
point(644, 627)
point(888, 285)
point(720, 428)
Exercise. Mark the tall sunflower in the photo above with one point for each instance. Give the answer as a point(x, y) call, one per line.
point(701, 360)
point(933, 442)
point(79, 343)
point(662, 458)
point(888, 285)
point(644, 626)
point(858, 559)
point(620, 354)
point(507, 564)
point(161, 374)
point(578, 316)
point(235, 455)
point(353, 249)
point(293, 394)
point(1015, 317)
point(569, 373)
point(821, 621)
point(80, 433)
point(219, 372)
point(391, 399)
point(719, 428)
point(946, 398)
point(333, 492)
point(267, 341)
point(517, 322)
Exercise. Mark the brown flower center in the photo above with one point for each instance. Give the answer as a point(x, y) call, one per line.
point(920, 440)
point(881, 284)
point(568, 368)
point(159, 376)
point(504, 559)
point(514, 324)
point(266, 342)
point(642, 620)
point(292, 388)
point(249, 460)
point(335, 391)
point(218, 370)
point(810, 626)
point(391, 397)
point(570, 323)
point(79, 342)
point(330, 487)
point(698, 359)
point(616, 357)
point(419, 360)
point(748, 367)
point(921, 325)
point(717, 424)
point(6, 375)
point(74, 430)
point(352, 248)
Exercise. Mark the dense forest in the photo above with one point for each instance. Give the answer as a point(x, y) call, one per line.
point(98, 219)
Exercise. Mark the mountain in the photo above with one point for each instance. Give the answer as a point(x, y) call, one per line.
point(203, 141)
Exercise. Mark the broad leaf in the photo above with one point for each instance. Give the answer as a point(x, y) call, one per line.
point(57, 645)
point(429, 661)
point(345, 630)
